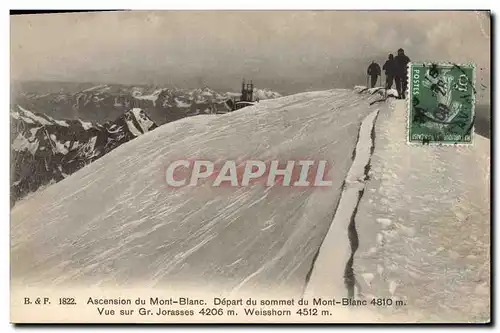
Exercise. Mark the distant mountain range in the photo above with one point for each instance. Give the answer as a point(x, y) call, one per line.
point(103, 103)
point(54, 134)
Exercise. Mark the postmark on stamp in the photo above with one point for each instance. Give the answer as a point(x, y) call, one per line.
point(441, 103)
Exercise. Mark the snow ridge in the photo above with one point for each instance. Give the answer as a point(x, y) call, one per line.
point(337, 250)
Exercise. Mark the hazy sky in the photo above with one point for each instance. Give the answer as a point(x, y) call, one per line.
point(279, 49)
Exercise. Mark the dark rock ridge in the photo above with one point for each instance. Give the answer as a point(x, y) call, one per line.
point(45, 150)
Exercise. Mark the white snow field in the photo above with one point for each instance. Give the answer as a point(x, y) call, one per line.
point(424, 227)
point(116, 223)
point(417, 217)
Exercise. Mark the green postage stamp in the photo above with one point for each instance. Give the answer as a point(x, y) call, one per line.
point(441, 103)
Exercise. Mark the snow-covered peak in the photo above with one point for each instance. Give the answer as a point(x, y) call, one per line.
point(98, 89)
point(260, 94)
point(46, 150)
point(32, 118)
point(265, 94)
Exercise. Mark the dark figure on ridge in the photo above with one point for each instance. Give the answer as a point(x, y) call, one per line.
point(373, 71)
point(401, 77)
point(390, 71)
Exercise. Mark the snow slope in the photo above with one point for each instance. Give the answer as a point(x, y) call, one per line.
point(330, 274)
point(423, 225)
point(419, 215)
point(115, 222)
